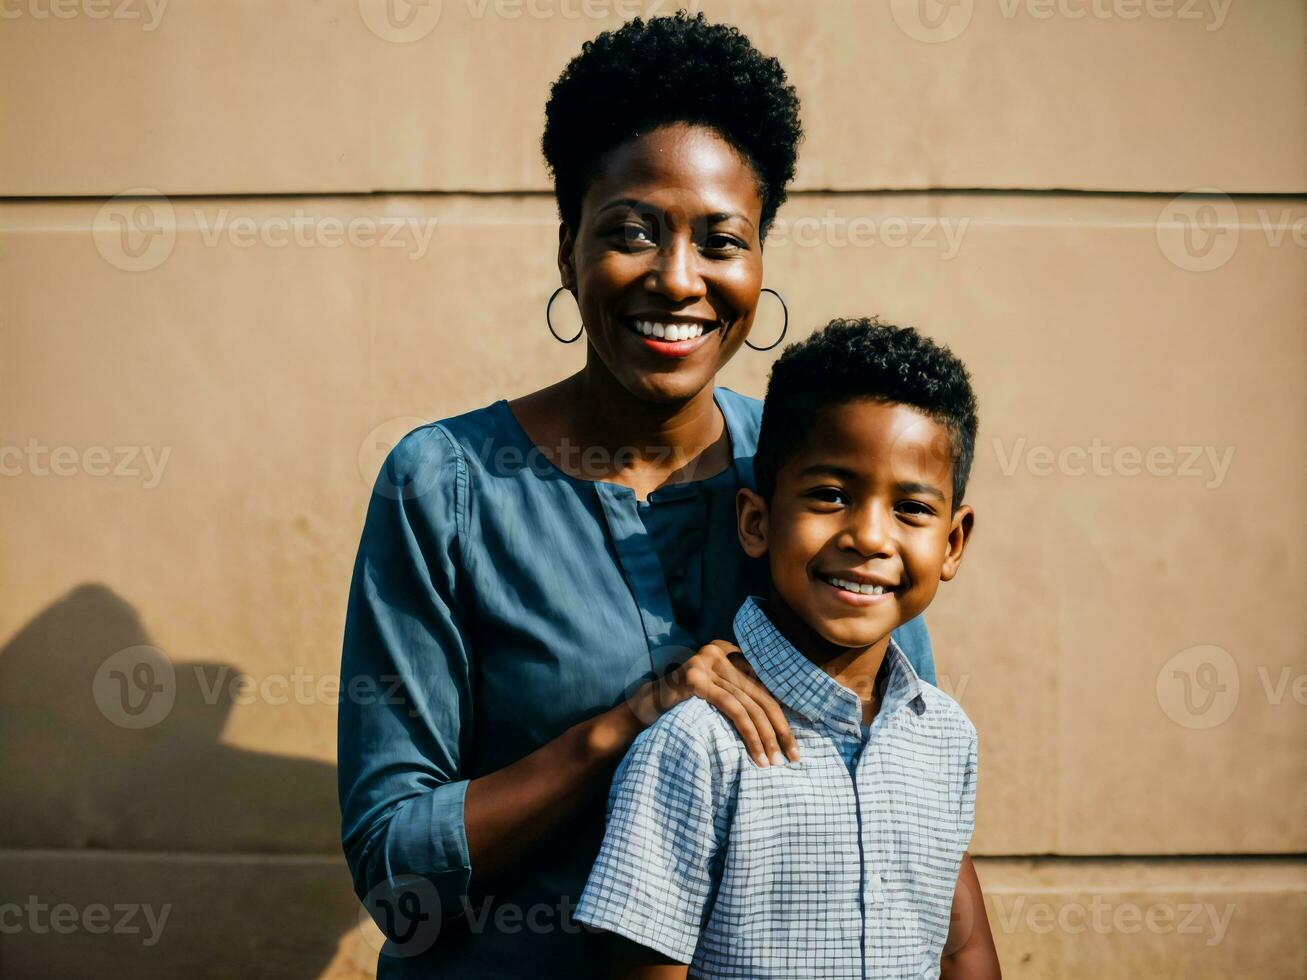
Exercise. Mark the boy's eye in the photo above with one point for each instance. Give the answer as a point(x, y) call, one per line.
point(828, 495)
point(915, 508)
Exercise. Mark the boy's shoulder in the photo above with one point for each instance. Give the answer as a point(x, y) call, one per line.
point(690, 734)
point(694, 722)
point(944, 713)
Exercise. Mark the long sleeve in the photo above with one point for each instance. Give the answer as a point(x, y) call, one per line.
point(406, 685)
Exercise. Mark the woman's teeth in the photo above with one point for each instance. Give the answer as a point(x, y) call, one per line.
point(847, 586)
point(669, 331)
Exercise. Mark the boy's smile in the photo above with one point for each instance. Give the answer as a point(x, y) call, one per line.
point(861, 527)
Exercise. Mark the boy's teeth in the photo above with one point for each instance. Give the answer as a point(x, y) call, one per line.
point(857, 587)
point(669, 331)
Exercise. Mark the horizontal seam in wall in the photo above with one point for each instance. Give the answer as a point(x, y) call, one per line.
point(808, 192)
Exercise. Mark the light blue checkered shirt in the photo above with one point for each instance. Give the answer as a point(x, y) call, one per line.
point(811, 869)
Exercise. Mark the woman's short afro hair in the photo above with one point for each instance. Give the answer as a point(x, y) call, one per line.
point(627, 82)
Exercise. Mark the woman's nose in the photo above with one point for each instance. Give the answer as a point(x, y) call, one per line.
point(675, 273)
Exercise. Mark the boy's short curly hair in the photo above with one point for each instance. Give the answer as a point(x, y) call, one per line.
point(679, 68)
point(864, 358)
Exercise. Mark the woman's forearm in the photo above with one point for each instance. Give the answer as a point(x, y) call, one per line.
point(508, 811)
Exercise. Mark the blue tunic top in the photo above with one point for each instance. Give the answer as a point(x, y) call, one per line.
point(496, 602)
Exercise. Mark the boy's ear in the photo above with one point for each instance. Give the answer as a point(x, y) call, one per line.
point(751, 522)
point(566, 267)
point(964, 522)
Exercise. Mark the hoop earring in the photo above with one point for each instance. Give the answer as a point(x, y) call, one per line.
point(548, 307)
point(784, 327)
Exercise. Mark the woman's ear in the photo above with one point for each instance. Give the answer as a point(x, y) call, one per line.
point(751, 522)
point(566, 267)
point(964, 522)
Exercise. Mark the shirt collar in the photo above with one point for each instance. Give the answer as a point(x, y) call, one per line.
point(796, 681)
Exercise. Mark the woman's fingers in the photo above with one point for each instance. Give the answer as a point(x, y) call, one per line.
point(704, 675)
point(740, 663)
point(781, 737)
point(721, 698)
point(720, 675)
point(761, 724)
point(775, 714)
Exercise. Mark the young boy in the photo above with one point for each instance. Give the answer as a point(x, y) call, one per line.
point(845, 863)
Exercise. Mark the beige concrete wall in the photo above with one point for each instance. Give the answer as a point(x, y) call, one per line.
point(190, 419)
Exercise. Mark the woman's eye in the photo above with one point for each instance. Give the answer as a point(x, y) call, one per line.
point(634, 234)
point(722, 243)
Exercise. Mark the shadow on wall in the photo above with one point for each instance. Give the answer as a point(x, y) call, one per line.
point(110, 748)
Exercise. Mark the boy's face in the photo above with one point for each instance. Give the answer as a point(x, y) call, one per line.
point(867, 501)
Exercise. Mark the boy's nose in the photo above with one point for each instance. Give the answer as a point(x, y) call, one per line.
point(868, 534)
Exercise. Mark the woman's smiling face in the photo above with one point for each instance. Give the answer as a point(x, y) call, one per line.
point(666, 262)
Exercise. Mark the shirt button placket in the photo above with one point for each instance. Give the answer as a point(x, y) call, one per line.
point(874, 893)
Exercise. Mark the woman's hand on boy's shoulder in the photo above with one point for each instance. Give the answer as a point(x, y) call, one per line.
point(720, 675)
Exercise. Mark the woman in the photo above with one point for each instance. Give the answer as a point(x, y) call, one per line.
point(513, 595)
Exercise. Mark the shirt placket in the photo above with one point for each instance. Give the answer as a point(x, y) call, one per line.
point(668, 642)
point(874, 893)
